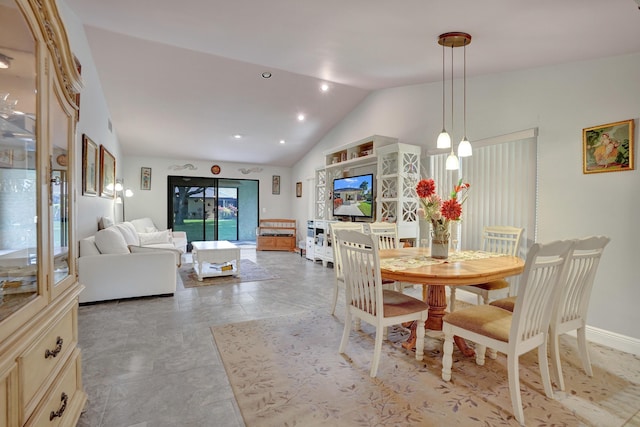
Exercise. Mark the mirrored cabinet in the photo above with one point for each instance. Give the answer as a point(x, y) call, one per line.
point(40, 364)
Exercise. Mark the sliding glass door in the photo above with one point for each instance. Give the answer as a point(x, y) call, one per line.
point(213, 208)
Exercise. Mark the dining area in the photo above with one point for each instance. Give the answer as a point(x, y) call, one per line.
point(526, 298)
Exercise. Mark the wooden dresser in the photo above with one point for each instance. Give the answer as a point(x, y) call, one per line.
point(276, 235)
point(40, 363)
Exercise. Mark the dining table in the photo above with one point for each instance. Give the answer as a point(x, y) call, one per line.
point(415, 265)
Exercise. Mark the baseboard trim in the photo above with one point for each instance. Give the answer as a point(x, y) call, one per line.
point(613, 340)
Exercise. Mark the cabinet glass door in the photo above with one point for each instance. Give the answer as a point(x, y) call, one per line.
point(19, 174)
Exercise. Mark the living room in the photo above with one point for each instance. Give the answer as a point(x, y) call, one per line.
point(559, 100)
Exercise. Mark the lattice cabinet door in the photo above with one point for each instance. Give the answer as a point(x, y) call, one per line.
point(321, 194)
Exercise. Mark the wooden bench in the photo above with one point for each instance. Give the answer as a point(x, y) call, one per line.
point(277, 235)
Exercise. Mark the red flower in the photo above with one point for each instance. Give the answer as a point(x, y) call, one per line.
point(425, 188)
point(451, 209)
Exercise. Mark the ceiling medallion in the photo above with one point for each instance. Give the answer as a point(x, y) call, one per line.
point(215, 169)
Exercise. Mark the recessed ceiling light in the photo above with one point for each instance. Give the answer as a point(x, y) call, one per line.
point(237, 136)
point(266, 75)
point(300, 117)
point(282, 141)
point(324, 87)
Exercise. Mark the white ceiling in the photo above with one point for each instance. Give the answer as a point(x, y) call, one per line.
point(181, 78)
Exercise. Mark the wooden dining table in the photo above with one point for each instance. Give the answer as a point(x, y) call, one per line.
point(414, 265)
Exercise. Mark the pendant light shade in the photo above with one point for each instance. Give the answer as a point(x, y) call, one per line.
point(452, 40)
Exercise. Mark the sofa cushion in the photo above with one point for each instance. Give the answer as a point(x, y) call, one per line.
point(166, 247)
point(111, 241)
point(129, 233)
point(147, 239)
point(144, 225)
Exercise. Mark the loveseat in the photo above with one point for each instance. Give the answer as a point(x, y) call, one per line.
point(120, 261)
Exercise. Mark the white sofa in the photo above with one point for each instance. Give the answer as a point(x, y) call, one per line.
point(120, 262)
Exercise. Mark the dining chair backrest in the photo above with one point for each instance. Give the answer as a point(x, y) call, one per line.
point(502, 239)
point(576, 292)
point(361, 268)
point(544, 273)
point(386, 233)
point(337, 261)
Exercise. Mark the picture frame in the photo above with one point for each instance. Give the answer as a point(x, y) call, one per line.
point(145, 178)
point(608, 148)
point(107, 173)
point(298, 189)
point(89, 167)
point(6, 158)
point(275, 184)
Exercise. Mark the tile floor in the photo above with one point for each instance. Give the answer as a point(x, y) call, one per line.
point(153, 362)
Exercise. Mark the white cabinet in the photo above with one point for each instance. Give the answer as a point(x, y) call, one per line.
point(397, 175)
point(323, 244)
point(40, 363)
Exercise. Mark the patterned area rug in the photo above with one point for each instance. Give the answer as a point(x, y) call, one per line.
point(249, 272)
point(286, 371)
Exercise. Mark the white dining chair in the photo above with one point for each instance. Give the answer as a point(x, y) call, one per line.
point(570, 309)
point(337, 260)
point(516, 333)
point(367, 300)
point(387, 235)
point(498, 239)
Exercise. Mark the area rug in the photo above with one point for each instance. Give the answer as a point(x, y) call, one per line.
point(249, 272)
point(286, 371)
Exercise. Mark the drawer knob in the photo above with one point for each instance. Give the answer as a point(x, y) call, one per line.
point(53, 353)
point(64, 399)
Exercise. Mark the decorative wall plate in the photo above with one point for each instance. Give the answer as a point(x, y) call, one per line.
point(215, 169)
point(62, 160)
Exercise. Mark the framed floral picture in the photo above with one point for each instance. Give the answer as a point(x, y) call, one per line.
point(107, 173)
point(608, 148)
point(89, 167)
point(275, 184)
point(145, 178)
point(298, 189)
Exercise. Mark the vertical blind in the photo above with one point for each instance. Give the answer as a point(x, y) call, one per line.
point(503, 176)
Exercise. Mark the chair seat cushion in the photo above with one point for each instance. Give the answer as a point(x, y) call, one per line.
point(493, 285)
point(505, 303)
point(398, 304)
point(486, 320)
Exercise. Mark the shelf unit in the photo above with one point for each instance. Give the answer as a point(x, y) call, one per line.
point(397, 176)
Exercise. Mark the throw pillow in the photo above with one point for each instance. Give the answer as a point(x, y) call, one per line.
point(155, 237)
point(105, 222)
point(129, 233)
point(110, 241)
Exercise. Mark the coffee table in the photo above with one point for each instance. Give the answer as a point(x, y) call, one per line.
point(210, 257)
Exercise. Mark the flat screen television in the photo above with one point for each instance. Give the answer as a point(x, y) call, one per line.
point(353, 196)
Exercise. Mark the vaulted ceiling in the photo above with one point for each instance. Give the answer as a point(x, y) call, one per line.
point(182, 78)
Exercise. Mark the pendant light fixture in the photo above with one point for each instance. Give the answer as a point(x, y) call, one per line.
point(452, 40)
point(444, 140)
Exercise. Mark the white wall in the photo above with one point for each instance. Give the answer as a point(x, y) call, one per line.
point(94, 118)
point(560, 101)
point(153, 203)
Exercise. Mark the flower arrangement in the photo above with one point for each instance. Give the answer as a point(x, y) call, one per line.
point(440, 212)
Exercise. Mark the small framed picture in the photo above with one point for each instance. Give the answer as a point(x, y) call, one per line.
point(6, 158)
point(298, 189)
point(145, 178)
point(89, 167)
point(275, 184)
point(107, 173)
point(608, 148)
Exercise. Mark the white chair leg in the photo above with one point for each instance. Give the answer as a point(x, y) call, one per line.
point(452, 299)
point(584, 351)
point(376, 352)
point(357, 325)
point(514, 388)
point(480, 351)
point(544, 370)
point(346, 331)
point(336, 289)
point(447, 356)
point(420, 339)
point(556, 367)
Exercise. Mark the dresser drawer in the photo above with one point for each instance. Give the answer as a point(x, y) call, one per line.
point(62, 406)
point(45, 356)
